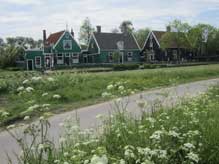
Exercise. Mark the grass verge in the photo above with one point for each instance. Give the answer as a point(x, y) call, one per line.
point(24, 93)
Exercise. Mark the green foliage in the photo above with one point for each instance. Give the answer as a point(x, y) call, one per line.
point(86, 30)
point(126, 26)
point(140, 35)
point(9, 55)
point(122, 67)
point(185, 133)
point(80, 89)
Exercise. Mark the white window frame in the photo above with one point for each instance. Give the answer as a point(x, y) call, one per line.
point(110, 54)
point(60, 61)
point(67, 55)
point(75, 58)
point(38, 65)
point(130, 56)
point(70, 42)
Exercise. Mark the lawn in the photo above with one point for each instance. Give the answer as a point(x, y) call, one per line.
point(31, 93)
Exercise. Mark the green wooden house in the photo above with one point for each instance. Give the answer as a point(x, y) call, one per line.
point(59, 50)
point(112, 48)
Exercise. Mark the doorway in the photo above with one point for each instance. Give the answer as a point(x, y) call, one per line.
point(30, 65)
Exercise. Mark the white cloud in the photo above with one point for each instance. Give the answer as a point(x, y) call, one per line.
point(53, 15)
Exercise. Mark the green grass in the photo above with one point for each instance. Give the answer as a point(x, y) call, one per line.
point(187, 133)
point(81, 89)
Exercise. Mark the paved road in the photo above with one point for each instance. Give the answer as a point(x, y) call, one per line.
point(87, 115)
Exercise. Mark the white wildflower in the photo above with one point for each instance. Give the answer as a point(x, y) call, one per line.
point(66, 154)
point(41, 118)
point(36, 78)
point(44, 94)
point(26, 118)
point(106, 94)
point(10, 126)
point(192, 156)
point(40, 147)
point(56, 161)
point(46, 105)
point(121, 87)
point(5, 114)
point(109, 87)
point(62, 140)
point(189, 146)
point(122, 161)
point(20, 88)
point(156, 135)
point(173, 134)
point(56, 96)
point(65, 162)
point(50, 79)
point(25, 81)
point(29, 89)
point(99, 160)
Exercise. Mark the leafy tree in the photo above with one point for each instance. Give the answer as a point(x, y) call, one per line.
point(2, 43)
point(86, 30)
point(140, 35)
point(126, 25)
point(176, 36)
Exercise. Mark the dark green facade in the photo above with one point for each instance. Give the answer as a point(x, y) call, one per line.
point(98, 55)
point(61, 51)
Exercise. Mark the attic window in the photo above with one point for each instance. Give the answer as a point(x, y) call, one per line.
point(67, 45)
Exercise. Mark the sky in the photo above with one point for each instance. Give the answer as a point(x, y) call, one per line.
point(29, 17)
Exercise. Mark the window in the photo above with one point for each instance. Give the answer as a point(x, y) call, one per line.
point(130, 55)
point(67, 45)
point(75, 58)
point(67, 55)
point(92, 45)
point(60, 59)
point(67, 59)
point(38, 62)
point(110, 57)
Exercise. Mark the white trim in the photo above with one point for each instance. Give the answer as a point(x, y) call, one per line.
point(136, 41)
point(156, 39)
point(54, 46)
point(32, 64)
point(75, 40)
point(95, 41)
point(146, 40)
point(150, 33)
point(38, 66)
point(60, 57)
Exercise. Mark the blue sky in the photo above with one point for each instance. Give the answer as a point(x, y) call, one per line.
point(30, 17)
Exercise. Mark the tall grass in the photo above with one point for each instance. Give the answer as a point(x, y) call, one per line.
point(187, 133)
point(73, 90)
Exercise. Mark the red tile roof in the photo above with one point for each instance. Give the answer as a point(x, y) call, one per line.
point(53, 38)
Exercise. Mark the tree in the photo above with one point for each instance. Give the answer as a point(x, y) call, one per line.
point(140, 35)
point(2, 43)
point(177, 36)
point(126, 26)
point(86, 30)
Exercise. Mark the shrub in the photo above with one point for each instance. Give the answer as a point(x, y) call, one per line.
point(122, 67)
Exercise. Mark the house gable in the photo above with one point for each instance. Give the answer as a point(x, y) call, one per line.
point(151, 39)
point(66, 43)
point(93, 46)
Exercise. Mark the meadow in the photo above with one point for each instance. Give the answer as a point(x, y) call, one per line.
point(33, 93)
point(187, 133)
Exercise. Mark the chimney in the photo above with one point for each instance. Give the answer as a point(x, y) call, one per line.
point(72, 32)
point(168, 29)
point(44, 37)
point(98, 29)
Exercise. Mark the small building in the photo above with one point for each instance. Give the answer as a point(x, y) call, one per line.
point(59, 50)
point(112, 48)
point(152, 51)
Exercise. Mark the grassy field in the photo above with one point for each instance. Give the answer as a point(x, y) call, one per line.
point(31, 93)
point(184, 134)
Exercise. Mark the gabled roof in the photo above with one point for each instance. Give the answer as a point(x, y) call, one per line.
point(53, 38)
point(158, 35)
point(108, 41)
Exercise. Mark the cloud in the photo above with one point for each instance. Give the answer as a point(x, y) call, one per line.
point(18, 19)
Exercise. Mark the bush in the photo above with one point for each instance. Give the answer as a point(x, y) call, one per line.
point(122, 67)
